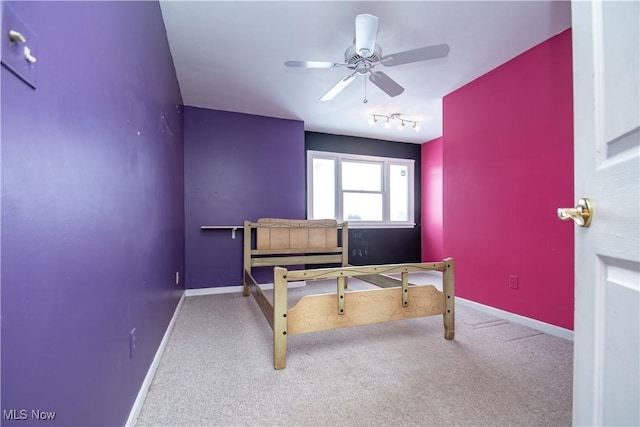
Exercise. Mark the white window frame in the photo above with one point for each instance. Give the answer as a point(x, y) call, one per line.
point(386, 162)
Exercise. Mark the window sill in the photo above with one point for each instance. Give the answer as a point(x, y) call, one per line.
point(370, 225)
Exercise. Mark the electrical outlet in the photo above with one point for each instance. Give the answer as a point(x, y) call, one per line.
point(132, 343)
point(513, 282)
point(177, 277)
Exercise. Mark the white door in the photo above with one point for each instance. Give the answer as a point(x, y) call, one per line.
point(606, 47)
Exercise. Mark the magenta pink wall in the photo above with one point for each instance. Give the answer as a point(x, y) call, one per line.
point(508, 165)
point(431, 212)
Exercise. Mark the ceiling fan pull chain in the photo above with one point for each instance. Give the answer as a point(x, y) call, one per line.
point(364, 101)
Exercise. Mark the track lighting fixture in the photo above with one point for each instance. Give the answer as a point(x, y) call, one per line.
point(395, 116)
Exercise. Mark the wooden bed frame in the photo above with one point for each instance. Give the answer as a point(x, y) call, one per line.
point(280, 242)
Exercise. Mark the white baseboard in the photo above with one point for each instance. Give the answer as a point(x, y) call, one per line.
point(212, 291)
point(299, 284)
point(144, 389)
point(428, 277)
point(516, 318)
point(234, 289)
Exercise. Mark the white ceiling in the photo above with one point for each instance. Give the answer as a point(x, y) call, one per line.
point(229, 55)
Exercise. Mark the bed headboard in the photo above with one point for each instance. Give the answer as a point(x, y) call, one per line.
point(297, 233)
point(280, 242)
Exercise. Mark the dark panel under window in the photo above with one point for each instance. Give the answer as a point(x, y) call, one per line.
point(377, 246)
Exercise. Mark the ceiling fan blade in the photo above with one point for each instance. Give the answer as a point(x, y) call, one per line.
point(337, 88)
point(366, 34)
point(386, 83)
point(311, 64)
point(416, 55)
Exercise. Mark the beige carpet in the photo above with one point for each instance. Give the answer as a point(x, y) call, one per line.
point(217, 370)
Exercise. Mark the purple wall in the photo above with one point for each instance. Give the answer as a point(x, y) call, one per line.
point(92, 210)
point(237, 167)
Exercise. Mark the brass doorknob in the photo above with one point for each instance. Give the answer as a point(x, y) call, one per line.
point(581, 214)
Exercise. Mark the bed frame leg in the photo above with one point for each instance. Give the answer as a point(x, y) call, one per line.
point(245, 285)
point(280, 317)
point(448, 287)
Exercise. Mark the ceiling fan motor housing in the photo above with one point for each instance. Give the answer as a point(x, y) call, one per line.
point(359, 63)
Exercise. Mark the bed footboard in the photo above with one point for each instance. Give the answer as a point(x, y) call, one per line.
point(344, 309)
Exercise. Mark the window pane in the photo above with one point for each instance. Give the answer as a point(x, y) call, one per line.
point(324, 184)
point(399, 193)
point(362, 207)
point(361, 176)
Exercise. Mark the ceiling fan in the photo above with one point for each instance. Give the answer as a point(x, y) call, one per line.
point(364, 55)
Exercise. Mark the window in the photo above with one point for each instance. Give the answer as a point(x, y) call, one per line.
point(367, 191)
